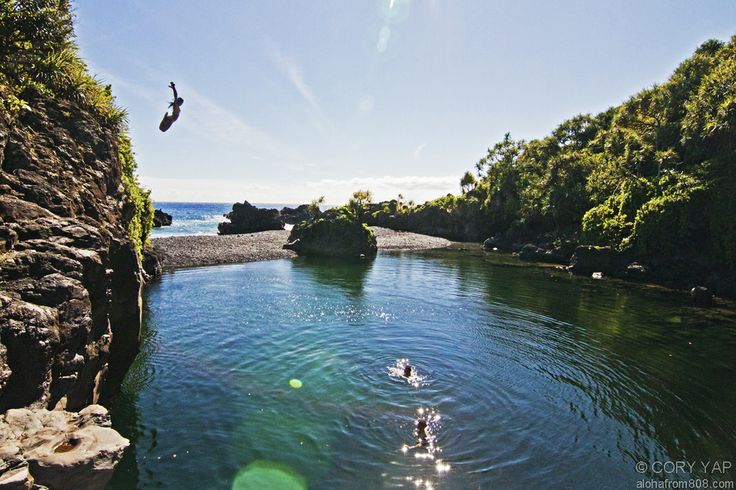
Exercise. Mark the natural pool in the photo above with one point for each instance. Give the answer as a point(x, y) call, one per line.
point(539, 379)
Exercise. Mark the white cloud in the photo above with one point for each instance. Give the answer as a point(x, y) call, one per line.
point(205, 190)
point(419, 188)
point(336, 191)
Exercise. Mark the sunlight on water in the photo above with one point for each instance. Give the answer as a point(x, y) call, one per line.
point(405, 372)
point(524, 377)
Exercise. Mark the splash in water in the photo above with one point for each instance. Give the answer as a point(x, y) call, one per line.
point(405, 371)
point(425, 433)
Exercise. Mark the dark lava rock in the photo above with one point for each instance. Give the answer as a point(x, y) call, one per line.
point(338, 233)
point(246, 218)
point(531, 252)
point(588, 259)
point(70, 278)
point(495, 242)
point(151, 263)
point(702, 295)
point(293, 216)
point(637, 271)
point(161, 219)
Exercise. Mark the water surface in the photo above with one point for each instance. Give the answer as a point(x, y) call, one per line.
point(538, 379)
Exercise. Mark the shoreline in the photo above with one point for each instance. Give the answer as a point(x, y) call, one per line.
point(183, 252)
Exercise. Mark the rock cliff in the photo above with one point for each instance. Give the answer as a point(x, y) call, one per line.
point(70, 276)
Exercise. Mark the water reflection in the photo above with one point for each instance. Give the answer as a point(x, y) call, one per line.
point(541, 379)
point(349, 275)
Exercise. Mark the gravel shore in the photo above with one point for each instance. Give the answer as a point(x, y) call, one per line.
point(192, 251)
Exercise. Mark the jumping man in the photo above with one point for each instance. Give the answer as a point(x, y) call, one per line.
point(167, 121)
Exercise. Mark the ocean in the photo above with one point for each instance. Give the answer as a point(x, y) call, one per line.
point(198, 218)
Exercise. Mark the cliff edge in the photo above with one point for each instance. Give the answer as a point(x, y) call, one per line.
point(70, 277)
point(73, 222)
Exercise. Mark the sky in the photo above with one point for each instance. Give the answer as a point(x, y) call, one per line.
point(288, 100)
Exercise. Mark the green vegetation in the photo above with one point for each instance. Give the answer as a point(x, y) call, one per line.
point(138, 206)
point(335, 233)
point(654, 177)
point(37, 50)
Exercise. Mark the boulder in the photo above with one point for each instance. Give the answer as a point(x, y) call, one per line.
point(701, 295)
point(338, 233)
point(531, 252)
point(246, 218)
point(494, 243)
point(61, 450)
point(161, 219)
point(293, 216)
point(151, 263)
point(637, 271)
point(17, 476)
point(588, 259)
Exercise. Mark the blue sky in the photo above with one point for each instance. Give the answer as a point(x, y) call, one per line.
point(289, 100)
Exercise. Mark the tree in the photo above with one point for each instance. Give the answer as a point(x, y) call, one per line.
point(314, 206)
point(467, 182)
point(358, 202)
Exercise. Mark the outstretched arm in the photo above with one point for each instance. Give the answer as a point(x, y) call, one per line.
point(173, 87)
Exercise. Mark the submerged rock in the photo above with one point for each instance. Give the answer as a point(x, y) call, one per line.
point(338, 233)
point(702, 295)
point(161, 219)
point(246, 218)
point(61, 450)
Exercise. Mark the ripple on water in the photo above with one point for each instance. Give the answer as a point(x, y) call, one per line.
point(539, 380)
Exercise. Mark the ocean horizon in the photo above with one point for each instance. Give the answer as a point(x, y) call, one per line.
point(199, 218)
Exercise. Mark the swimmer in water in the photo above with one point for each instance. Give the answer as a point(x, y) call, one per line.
point(422, 435)
point(407, 371)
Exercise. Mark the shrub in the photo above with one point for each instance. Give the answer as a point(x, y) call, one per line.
point(138, 214)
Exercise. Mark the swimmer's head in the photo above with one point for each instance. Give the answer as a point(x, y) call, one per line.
point(407, 371)
point(180, 101)
point(421, 425)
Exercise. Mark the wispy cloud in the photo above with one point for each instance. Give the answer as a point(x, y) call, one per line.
point(220, 125)
point(294, 73)
point(418, 151)
point(204, 118)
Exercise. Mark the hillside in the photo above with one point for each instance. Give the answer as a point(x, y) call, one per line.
point(653, 178)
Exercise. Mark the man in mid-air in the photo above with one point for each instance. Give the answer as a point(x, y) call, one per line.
point(167, 121)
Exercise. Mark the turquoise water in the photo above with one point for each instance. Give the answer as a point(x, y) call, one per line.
point(538, 379)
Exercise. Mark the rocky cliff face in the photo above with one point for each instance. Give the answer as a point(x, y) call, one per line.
point(70, 278)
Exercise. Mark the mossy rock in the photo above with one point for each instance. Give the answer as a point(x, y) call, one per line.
point(338, 233)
